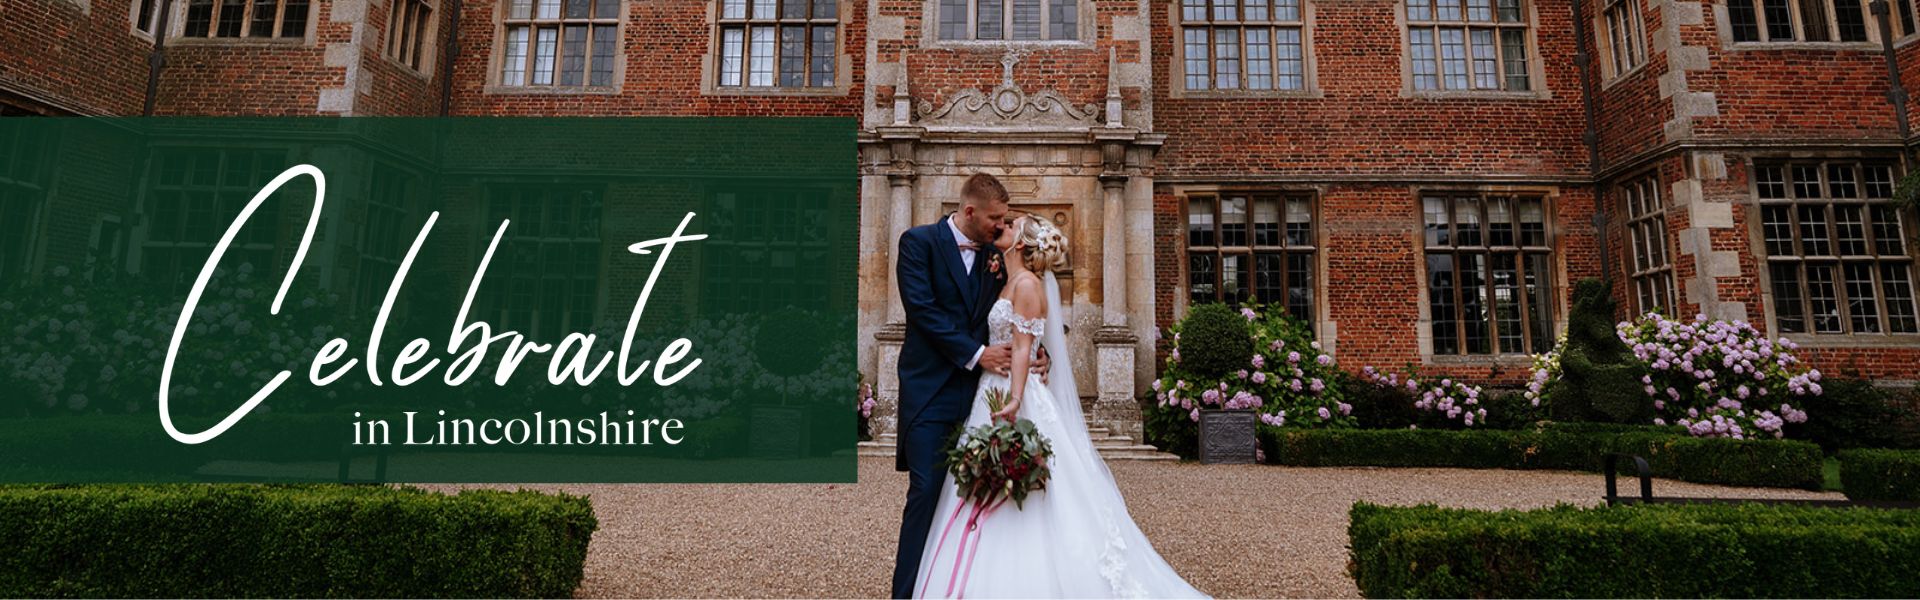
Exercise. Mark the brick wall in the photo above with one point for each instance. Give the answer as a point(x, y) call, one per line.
point(663, 44)
point(1370, 146)
point(1630, 105)
point(272, 77)
point(1790, 93)
point(1693, 114)
point(79, 55)
point(391, 87)
point(1364, 123)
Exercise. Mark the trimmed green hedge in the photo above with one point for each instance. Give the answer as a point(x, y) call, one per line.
point(1761, 463)
point(289, 541)
point(1854, 413)
point(1880, 474)
point(1653, 551)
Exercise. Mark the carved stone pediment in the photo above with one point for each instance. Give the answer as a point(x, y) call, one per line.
point(1007, 107)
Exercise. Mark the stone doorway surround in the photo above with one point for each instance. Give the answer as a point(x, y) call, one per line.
point(1083, 164)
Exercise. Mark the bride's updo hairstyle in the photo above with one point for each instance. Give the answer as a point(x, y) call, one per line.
point(1043, 247)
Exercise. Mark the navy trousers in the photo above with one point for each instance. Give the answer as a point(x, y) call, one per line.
point(922, 444)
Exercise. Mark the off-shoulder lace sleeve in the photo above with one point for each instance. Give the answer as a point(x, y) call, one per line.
point(1036, 326)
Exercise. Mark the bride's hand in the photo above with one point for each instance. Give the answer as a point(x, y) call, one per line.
point(1010, 413)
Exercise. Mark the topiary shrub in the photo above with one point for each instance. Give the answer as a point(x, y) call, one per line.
point(1590, 326)
point(1715, 378)
point(1253, 358)
point(1597, 383)
point(1213, 341)
point(1597, 391)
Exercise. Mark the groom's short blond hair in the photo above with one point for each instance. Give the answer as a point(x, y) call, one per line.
point(982, 189)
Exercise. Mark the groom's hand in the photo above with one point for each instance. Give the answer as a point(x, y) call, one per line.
point(997, 359)
point(1041, 364)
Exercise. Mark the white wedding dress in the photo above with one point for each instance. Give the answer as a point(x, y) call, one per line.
point(1073, 539)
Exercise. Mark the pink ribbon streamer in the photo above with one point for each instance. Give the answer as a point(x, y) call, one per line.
point(937, 546)
point(963, 566)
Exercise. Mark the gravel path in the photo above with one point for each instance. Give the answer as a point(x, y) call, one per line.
point(1266, 531)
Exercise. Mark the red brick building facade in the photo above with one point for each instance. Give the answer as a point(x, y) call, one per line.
point(1422, 180)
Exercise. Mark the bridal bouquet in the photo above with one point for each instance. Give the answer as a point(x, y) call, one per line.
point(999, 461)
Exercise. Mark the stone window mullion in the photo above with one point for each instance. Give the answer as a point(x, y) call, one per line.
point(1626, 43)
point(208, 18)
point(1457, 38)
point(1277, 248)
point(1267, 51)
point(1815, 21)
point(1053, 20)
point(1858, 292)
point(1481, 259)
point(409, 25)
point(791, 54)
point(546, 46)
point(1652, 266)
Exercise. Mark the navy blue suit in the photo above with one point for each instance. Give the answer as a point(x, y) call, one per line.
point(946, 323)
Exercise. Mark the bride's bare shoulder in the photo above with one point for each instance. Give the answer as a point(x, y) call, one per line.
point(1029, 297)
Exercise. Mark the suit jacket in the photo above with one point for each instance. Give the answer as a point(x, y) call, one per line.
point(946, 322)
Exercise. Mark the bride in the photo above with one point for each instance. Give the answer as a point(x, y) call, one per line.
point(1074, 539)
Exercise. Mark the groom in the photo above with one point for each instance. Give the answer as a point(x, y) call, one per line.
point(949, 275)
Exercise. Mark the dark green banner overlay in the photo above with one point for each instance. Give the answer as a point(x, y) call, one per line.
point(427, 300)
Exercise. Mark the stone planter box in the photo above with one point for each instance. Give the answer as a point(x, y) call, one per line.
point(777, 432)
point(1226, 436)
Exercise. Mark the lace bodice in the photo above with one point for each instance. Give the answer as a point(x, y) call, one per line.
point(1002, 322)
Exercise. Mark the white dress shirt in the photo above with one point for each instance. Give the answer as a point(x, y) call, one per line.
point(966, 256)
point(960, 238)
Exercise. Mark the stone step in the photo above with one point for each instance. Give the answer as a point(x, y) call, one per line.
point(1121, 449)
point(1150, 453)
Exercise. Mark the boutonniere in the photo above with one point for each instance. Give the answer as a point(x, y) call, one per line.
point(993, 265)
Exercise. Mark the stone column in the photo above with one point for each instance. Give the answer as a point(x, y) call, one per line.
point(901, 176)
point(1114, 342)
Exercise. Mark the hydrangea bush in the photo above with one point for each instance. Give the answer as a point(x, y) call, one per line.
point(88, 342)
point(1446, 399)
point(1714, 378)
point(1545, 369)
point(863, 407)
point(1288, 379)
point(1719, 378)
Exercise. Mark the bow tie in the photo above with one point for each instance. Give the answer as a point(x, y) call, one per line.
point(969, 246)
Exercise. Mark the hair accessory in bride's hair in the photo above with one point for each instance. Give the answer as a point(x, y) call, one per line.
point(1046, 247)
